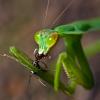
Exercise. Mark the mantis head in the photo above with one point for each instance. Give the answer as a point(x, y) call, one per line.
point(45, 39)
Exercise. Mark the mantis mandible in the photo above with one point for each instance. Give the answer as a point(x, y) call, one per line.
point(73, 58)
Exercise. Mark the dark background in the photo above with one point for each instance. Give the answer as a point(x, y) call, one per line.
point(19, 19)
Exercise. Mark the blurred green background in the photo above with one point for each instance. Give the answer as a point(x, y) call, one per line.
point(19, 19)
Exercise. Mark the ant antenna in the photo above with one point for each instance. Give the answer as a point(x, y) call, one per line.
point(63, 11)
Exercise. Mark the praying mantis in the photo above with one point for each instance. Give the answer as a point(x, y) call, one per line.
point(73, 59)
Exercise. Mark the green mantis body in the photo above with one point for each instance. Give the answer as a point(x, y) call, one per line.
point(73, 58)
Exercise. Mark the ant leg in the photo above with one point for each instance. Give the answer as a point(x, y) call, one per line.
point(36, 53)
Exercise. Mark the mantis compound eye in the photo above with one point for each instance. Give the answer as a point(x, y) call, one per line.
point(52, 39)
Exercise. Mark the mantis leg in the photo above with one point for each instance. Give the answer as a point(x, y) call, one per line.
point(75, 74)
point(71, 84)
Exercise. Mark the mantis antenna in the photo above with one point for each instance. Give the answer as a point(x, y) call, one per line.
point(63, 11)
point(46, 12)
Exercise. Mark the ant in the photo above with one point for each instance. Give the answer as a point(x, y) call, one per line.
point(37, 60)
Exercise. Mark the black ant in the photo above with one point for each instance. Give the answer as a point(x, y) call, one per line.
point(36, 63)
point(37, 60)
